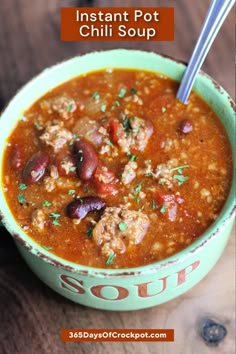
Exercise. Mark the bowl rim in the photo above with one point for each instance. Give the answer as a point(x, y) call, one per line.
point(223, 219)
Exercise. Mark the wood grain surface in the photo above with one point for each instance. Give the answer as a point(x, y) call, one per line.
point(32, 315)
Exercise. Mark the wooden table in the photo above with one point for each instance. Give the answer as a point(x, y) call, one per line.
point(31, 315)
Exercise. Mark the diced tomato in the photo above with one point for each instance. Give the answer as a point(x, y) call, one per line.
point(105, 181)
point(102, 174)
point(65, 164)
point(116, 130)
point(106, 189)
point(162, 197)
point(168, 204)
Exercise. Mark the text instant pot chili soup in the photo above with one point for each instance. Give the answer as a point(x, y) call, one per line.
point(111, 170)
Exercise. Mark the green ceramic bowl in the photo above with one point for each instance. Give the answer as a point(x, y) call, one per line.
point(135, 288)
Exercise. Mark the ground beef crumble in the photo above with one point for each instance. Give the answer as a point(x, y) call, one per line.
point(56, 137)
point(118, 228)
point(63, 105)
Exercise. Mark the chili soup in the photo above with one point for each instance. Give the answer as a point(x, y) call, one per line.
point(110, 170)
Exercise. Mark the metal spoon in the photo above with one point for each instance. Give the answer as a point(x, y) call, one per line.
point(216, 15)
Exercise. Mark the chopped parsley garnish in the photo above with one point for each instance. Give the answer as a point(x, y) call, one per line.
point(96, 96)
point(46, 203)
point(109, 142)
point(126, 124)
point(69, 107)
point(55, 217)
point(163, 209)
point(21, 198)
point(135, 130)
point(122, 93)
point(110, 259)
point(71, 191)
point(179, 168)
point(103, 108)
point(180, 178)
point(89, 232)
point(137, 199)
point(73, 168)
point(132, 157)
point(137, 191)
point(86, 190)
point(47, 248)
point(89, 132)
point(122, 226)
point(37, 126)
point(22, 186)
point(133, 91)
point(163, 109)
point(138, 188)
point(117, 103)
point(153, 204)
point(56, 222)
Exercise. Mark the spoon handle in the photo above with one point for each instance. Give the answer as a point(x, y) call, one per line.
point(216, 15)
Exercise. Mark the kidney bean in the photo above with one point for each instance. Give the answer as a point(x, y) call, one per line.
point(35, 167)
point(185, 126)
point(16, 159)
point(79, 208)
point(86, 159)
